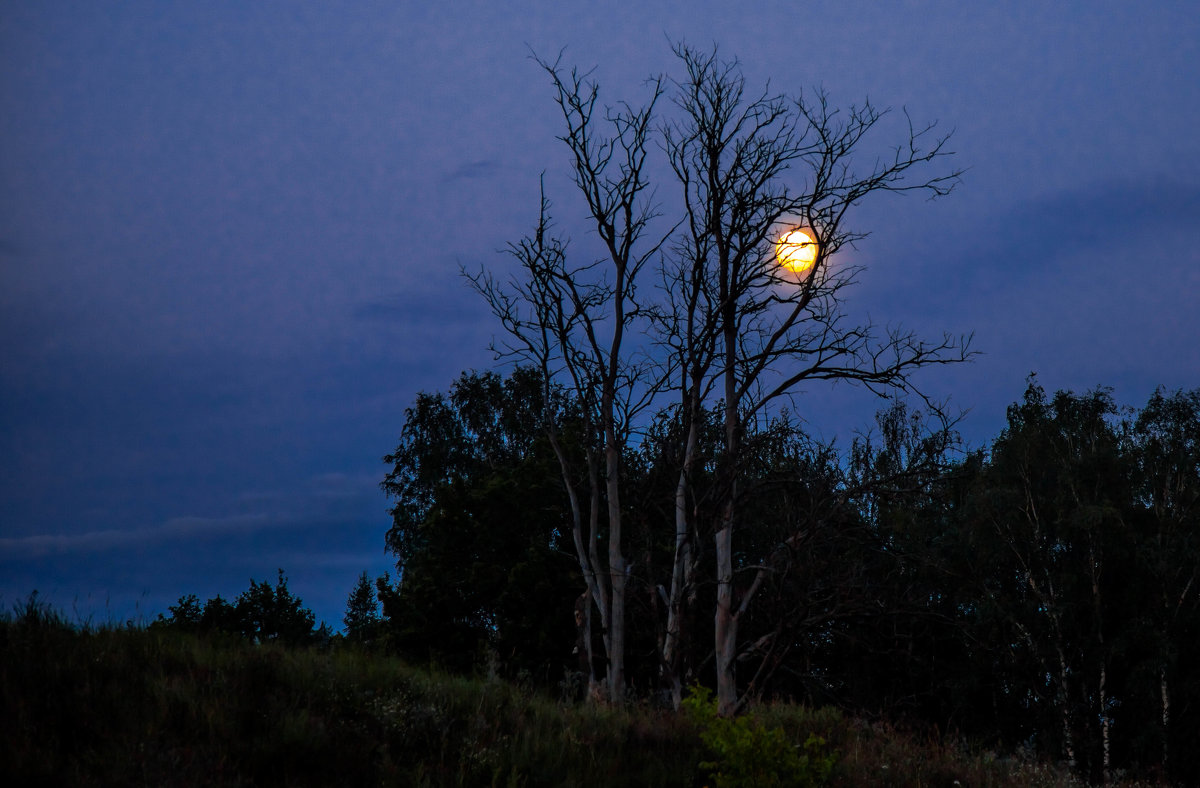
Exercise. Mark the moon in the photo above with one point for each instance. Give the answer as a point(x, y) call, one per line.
point(796, 250)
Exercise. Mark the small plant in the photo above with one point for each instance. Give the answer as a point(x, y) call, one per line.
point(746, 753)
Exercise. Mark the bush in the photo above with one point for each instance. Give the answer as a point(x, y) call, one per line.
point(748, 754)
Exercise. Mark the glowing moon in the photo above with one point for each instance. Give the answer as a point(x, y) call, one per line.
point(796, 250)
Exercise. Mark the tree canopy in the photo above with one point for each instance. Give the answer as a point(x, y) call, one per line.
point(638, 504)
point(1039, 592)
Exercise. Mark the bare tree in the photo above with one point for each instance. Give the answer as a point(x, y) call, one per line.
point(733, 326)
point(745, 327)
point(573, 320)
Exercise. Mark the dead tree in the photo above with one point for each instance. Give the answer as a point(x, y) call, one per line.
point(573, 321)
point(731, 326)
point(747, 329)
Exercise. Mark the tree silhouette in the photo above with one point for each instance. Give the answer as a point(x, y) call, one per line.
point(272, 613)
point(362, 611)
point(262, 613)
point(729, 325)
point(479, 530)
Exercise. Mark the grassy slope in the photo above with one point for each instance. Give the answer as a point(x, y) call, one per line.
point(111, 706)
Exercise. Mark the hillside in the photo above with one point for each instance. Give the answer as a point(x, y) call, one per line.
point(110, 705)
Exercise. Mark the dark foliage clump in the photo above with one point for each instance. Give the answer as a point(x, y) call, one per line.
point(262, 613)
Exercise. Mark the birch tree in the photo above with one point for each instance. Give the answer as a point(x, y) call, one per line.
point(733, 328)
point(1167, 448)
point(573, 320)
point(749, 330)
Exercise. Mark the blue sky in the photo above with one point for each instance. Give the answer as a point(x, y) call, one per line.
point(230, 236)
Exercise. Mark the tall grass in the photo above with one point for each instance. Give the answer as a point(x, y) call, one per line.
point(113, 705)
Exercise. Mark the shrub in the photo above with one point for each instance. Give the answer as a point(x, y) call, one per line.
point(748, 754)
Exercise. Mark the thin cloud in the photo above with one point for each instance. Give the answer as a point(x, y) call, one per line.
point(388, 309)
point(476, 170)
point(354, 562)
point(38, 545)
point(330, 498)
point(1096, 216)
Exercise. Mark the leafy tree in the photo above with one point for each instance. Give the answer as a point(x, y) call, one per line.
point(362, 611)
point(1041, 594)
point(261, 613)
point(850, 596)
point(1166, 438)
point(478, 530)
point(186, 615)
point(220, 616)
point(272, 613)
point(1052, 519)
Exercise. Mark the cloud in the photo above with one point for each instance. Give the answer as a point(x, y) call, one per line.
point(1095, 217)
point(1094, 235)
point(393, 308)
point(421, 300)
point(326, 499)
point(475, 170)
point(350, 561)
point(36, 545)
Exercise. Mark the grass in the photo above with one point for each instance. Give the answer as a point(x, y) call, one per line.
point(133, 706)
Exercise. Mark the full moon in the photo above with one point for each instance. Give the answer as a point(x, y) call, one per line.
point(796, 250)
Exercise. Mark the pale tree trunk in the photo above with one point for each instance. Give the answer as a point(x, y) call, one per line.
point(694, 364)
point(612, 460)
point(1064, 709)
point(583, 639)
point(681, 570)
point(1166, 717)
point(595, 591)
point(1105, 719)
point(1105, 726)
point(616, 568)
point(726, 620)
point(602, 598)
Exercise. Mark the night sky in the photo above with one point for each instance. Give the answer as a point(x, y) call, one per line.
point(230, 238)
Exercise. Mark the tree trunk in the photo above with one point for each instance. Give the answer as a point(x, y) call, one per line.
point(595, 592)
point(726, 623)
point(1064, 709)
point(681, 570)
point(1166, 719)
point(616, 568)
point(1105, 727)
point(583, 640)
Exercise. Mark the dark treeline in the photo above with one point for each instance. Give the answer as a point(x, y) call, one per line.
point(1037, 594)
point(261, 614)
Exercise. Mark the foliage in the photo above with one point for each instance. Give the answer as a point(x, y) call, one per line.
point(1042, 594)
point(262, 613)
point(187, 615)
point(272, 613)
point(477, 531)
point(362, 618)
point(748, 754)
